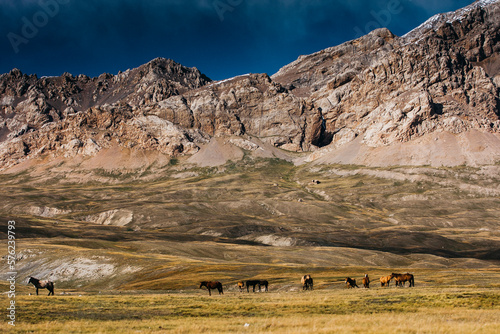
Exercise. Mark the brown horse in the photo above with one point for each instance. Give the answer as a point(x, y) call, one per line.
point(385, 280)
point(212, 285)
point(366, 281)
point(42, 285)
point(253, 283)
point(307, 282)
point(241, 285)
point(401, 279)
point(351, 283)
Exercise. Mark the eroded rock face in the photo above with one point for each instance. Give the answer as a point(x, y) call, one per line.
point(379, 89)
point(443, 76)
point(86, 133)
point(250, 104)
point(71, 116)
point(28, 103)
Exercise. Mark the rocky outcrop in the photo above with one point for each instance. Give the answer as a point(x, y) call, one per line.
point(71, 116)
point(386, 89)
point(250, 104)
point(86, 133)
point(27, 102)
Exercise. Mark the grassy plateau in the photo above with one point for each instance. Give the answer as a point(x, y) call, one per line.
point(336, 310)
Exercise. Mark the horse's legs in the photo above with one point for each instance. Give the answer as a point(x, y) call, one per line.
point(209, 293)
point(37, 291)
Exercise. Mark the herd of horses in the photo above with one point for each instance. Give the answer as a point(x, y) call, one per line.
point(399, 280)
point(306, 280)
point(307, 283)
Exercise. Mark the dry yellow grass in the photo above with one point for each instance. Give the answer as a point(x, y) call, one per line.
point(425, 310)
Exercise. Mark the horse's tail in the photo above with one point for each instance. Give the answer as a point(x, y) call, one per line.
point(412, 281)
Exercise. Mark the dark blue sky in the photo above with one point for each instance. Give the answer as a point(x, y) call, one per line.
point(222, 38)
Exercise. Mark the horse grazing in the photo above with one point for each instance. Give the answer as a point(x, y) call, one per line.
point(366, 281)
point(385, 280)
point(241, 285)
point(212, 285)
point(401, 279)
point(351, 283)
point(307, 282)
point(42, 285)
point(260, 283)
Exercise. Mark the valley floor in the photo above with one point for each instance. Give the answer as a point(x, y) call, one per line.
point(438, 309)
point(128, 249)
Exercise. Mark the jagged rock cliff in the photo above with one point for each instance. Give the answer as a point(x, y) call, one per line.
point(249, 104)
point(80, 115)
point(442, 76)
point(374, 100)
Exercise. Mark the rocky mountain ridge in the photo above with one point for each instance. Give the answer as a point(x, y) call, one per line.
point(387, 89)
point(371, 95)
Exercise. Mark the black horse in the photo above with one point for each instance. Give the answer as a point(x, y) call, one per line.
point(260, 283)
point(351, 283)
point(42, 285)
point(212, 285)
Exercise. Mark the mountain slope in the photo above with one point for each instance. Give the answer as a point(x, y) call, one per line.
point(166, 175)
point(441, 77)
point(377, 100)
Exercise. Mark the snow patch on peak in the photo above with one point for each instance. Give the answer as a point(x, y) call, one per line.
point(227, 80)
point(449, 17)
